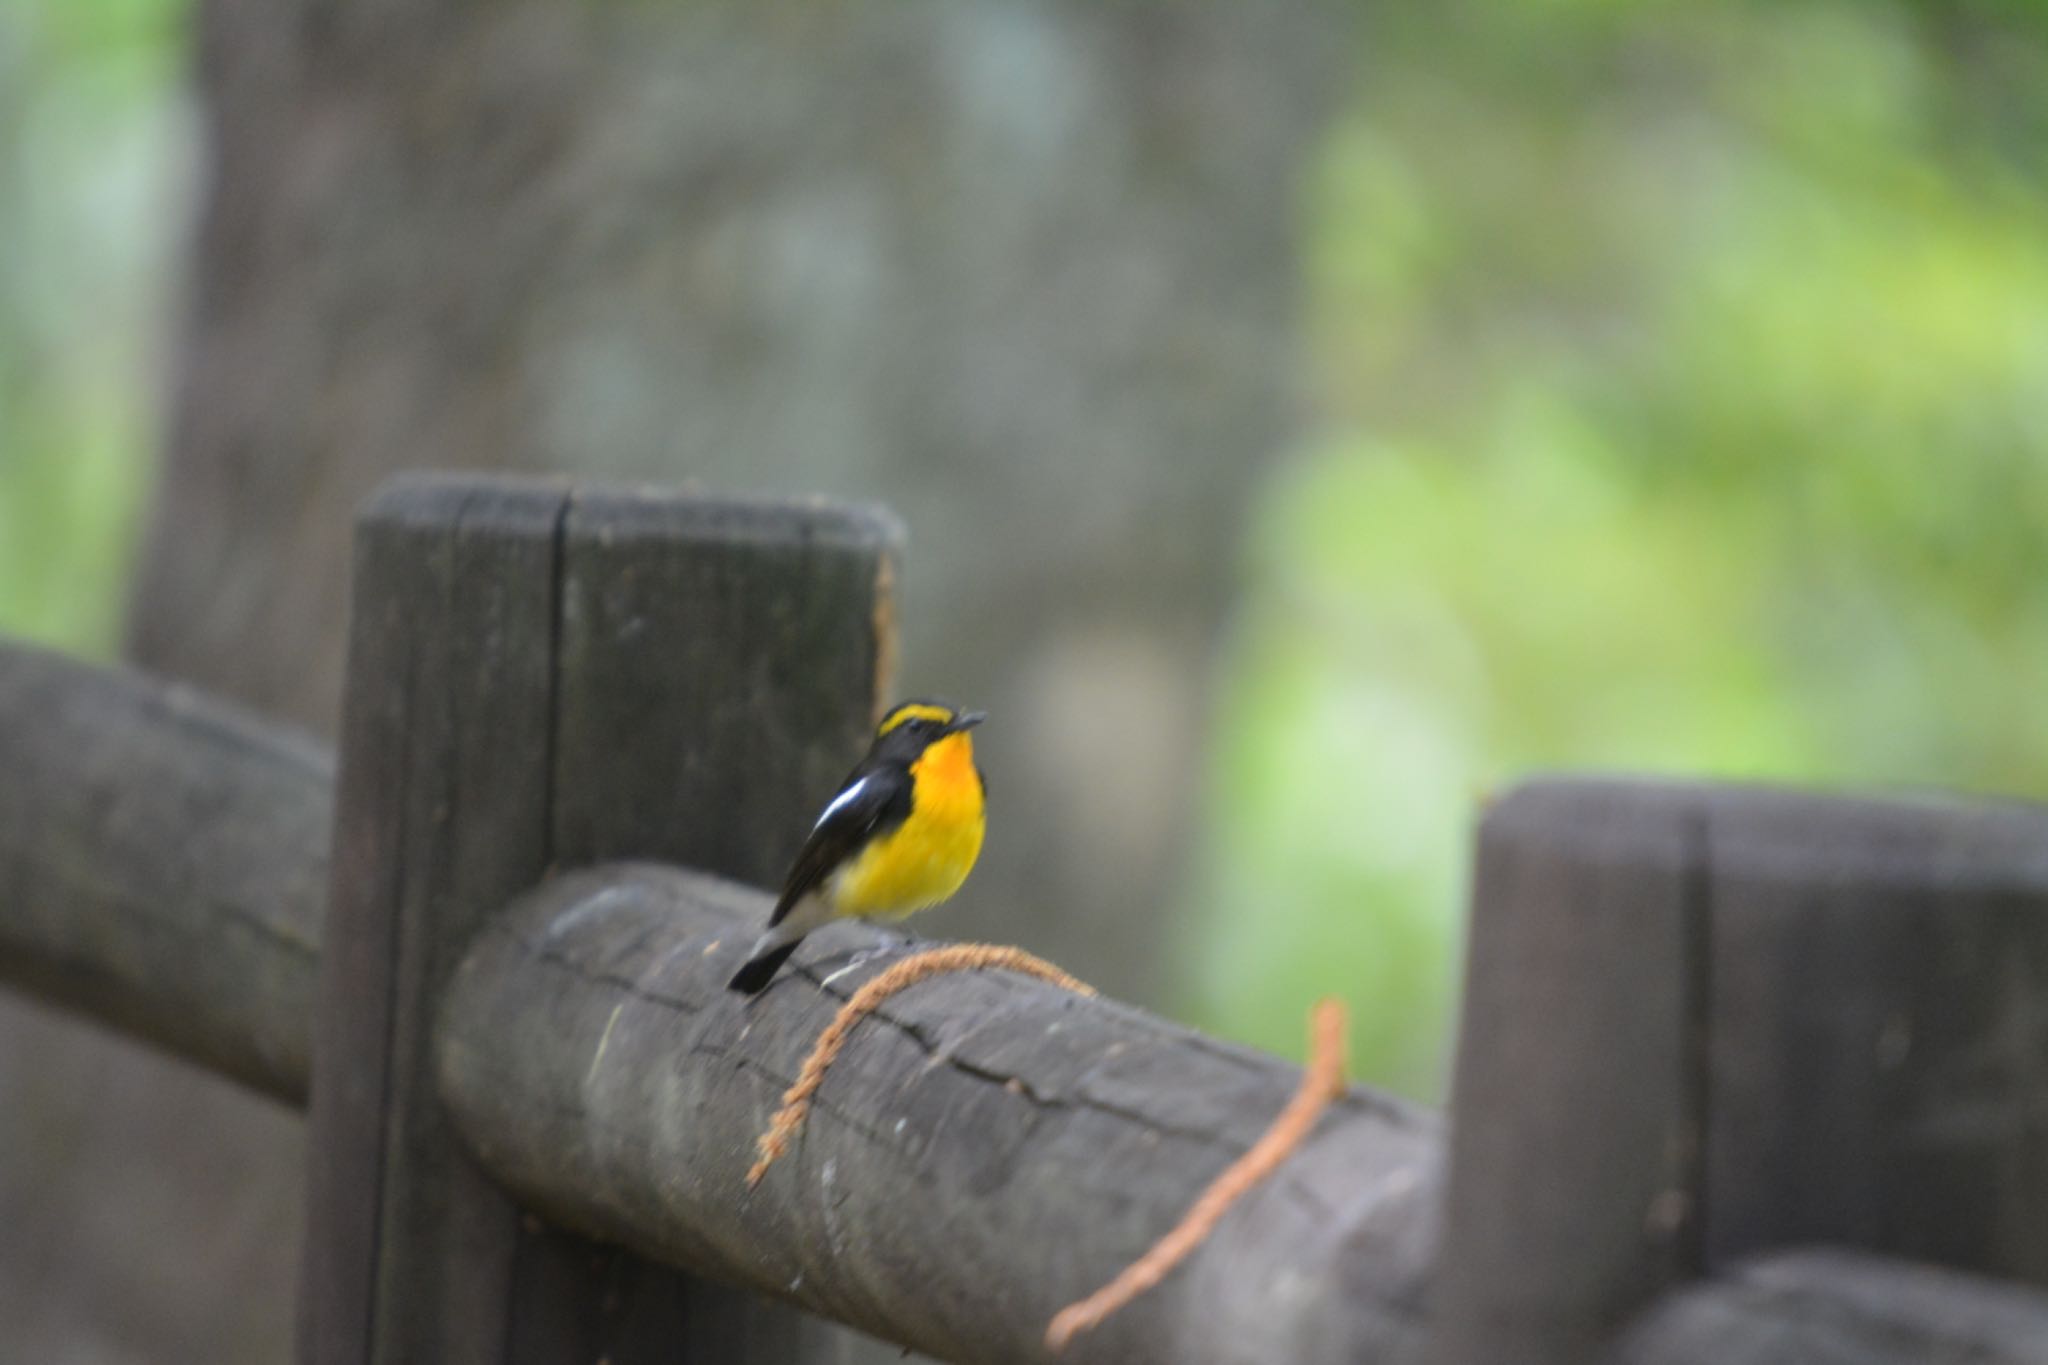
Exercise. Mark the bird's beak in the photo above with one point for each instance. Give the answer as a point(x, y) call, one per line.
point(966, 720)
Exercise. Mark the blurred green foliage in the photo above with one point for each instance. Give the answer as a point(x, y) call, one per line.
point(1685, 380)
point(94, 161)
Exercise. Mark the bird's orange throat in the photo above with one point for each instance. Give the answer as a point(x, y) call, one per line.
point(947, 784)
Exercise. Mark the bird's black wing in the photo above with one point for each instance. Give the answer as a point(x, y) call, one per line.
point(874, 800)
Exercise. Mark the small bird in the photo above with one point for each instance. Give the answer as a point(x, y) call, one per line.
point(901, 835)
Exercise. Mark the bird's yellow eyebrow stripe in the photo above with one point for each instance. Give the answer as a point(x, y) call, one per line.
point(914, 711)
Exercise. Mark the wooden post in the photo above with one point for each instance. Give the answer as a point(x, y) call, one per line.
point(441, 812)
point(721, 667)
point(1574, 1101)
point(1706, 1021)
point(504, 636)
point(1879, 1019)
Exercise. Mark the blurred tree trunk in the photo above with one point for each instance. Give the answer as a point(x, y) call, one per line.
point(1024, 271)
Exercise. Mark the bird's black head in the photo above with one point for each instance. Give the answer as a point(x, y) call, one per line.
point(913, 726)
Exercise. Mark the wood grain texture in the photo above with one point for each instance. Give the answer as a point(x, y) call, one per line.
point(442, 814)
point(1704, 1021)
point(717, 666)
point(1839, 1308)
point(163, 864)
point(986, 1150)
point(720, 664)
point(1880, 1028)
point(537, 680)
point(1571, 1163)
point(722, 669)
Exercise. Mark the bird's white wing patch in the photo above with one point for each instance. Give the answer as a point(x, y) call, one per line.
point(841, 801)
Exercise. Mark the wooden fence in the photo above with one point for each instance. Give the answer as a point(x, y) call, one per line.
point(1745, 1076)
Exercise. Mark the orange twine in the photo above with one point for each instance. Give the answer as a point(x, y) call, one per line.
point(1323, 1082)
point(958, 957)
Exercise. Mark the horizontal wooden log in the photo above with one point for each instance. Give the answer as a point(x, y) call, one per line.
point(163, 864)
point(1839, 1308)
point(987, 1149)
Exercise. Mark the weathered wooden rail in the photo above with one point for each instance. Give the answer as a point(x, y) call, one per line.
point(163, 865)
point(1704, 1027)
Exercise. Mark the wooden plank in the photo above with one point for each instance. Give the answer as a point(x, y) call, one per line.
point(721, 663)
point(1572, 1158)
point(986, 1150)
point(1839, 1308)
point(1880, 1028)
point(441, 814)
point(163, 864)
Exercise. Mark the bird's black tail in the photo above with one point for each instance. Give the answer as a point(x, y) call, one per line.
point(753, 978)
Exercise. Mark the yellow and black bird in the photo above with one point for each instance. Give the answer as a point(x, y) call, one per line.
point(901, 835)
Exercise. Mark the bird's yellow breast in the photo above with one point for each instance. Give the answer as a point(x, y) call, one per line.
point(925, 859)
